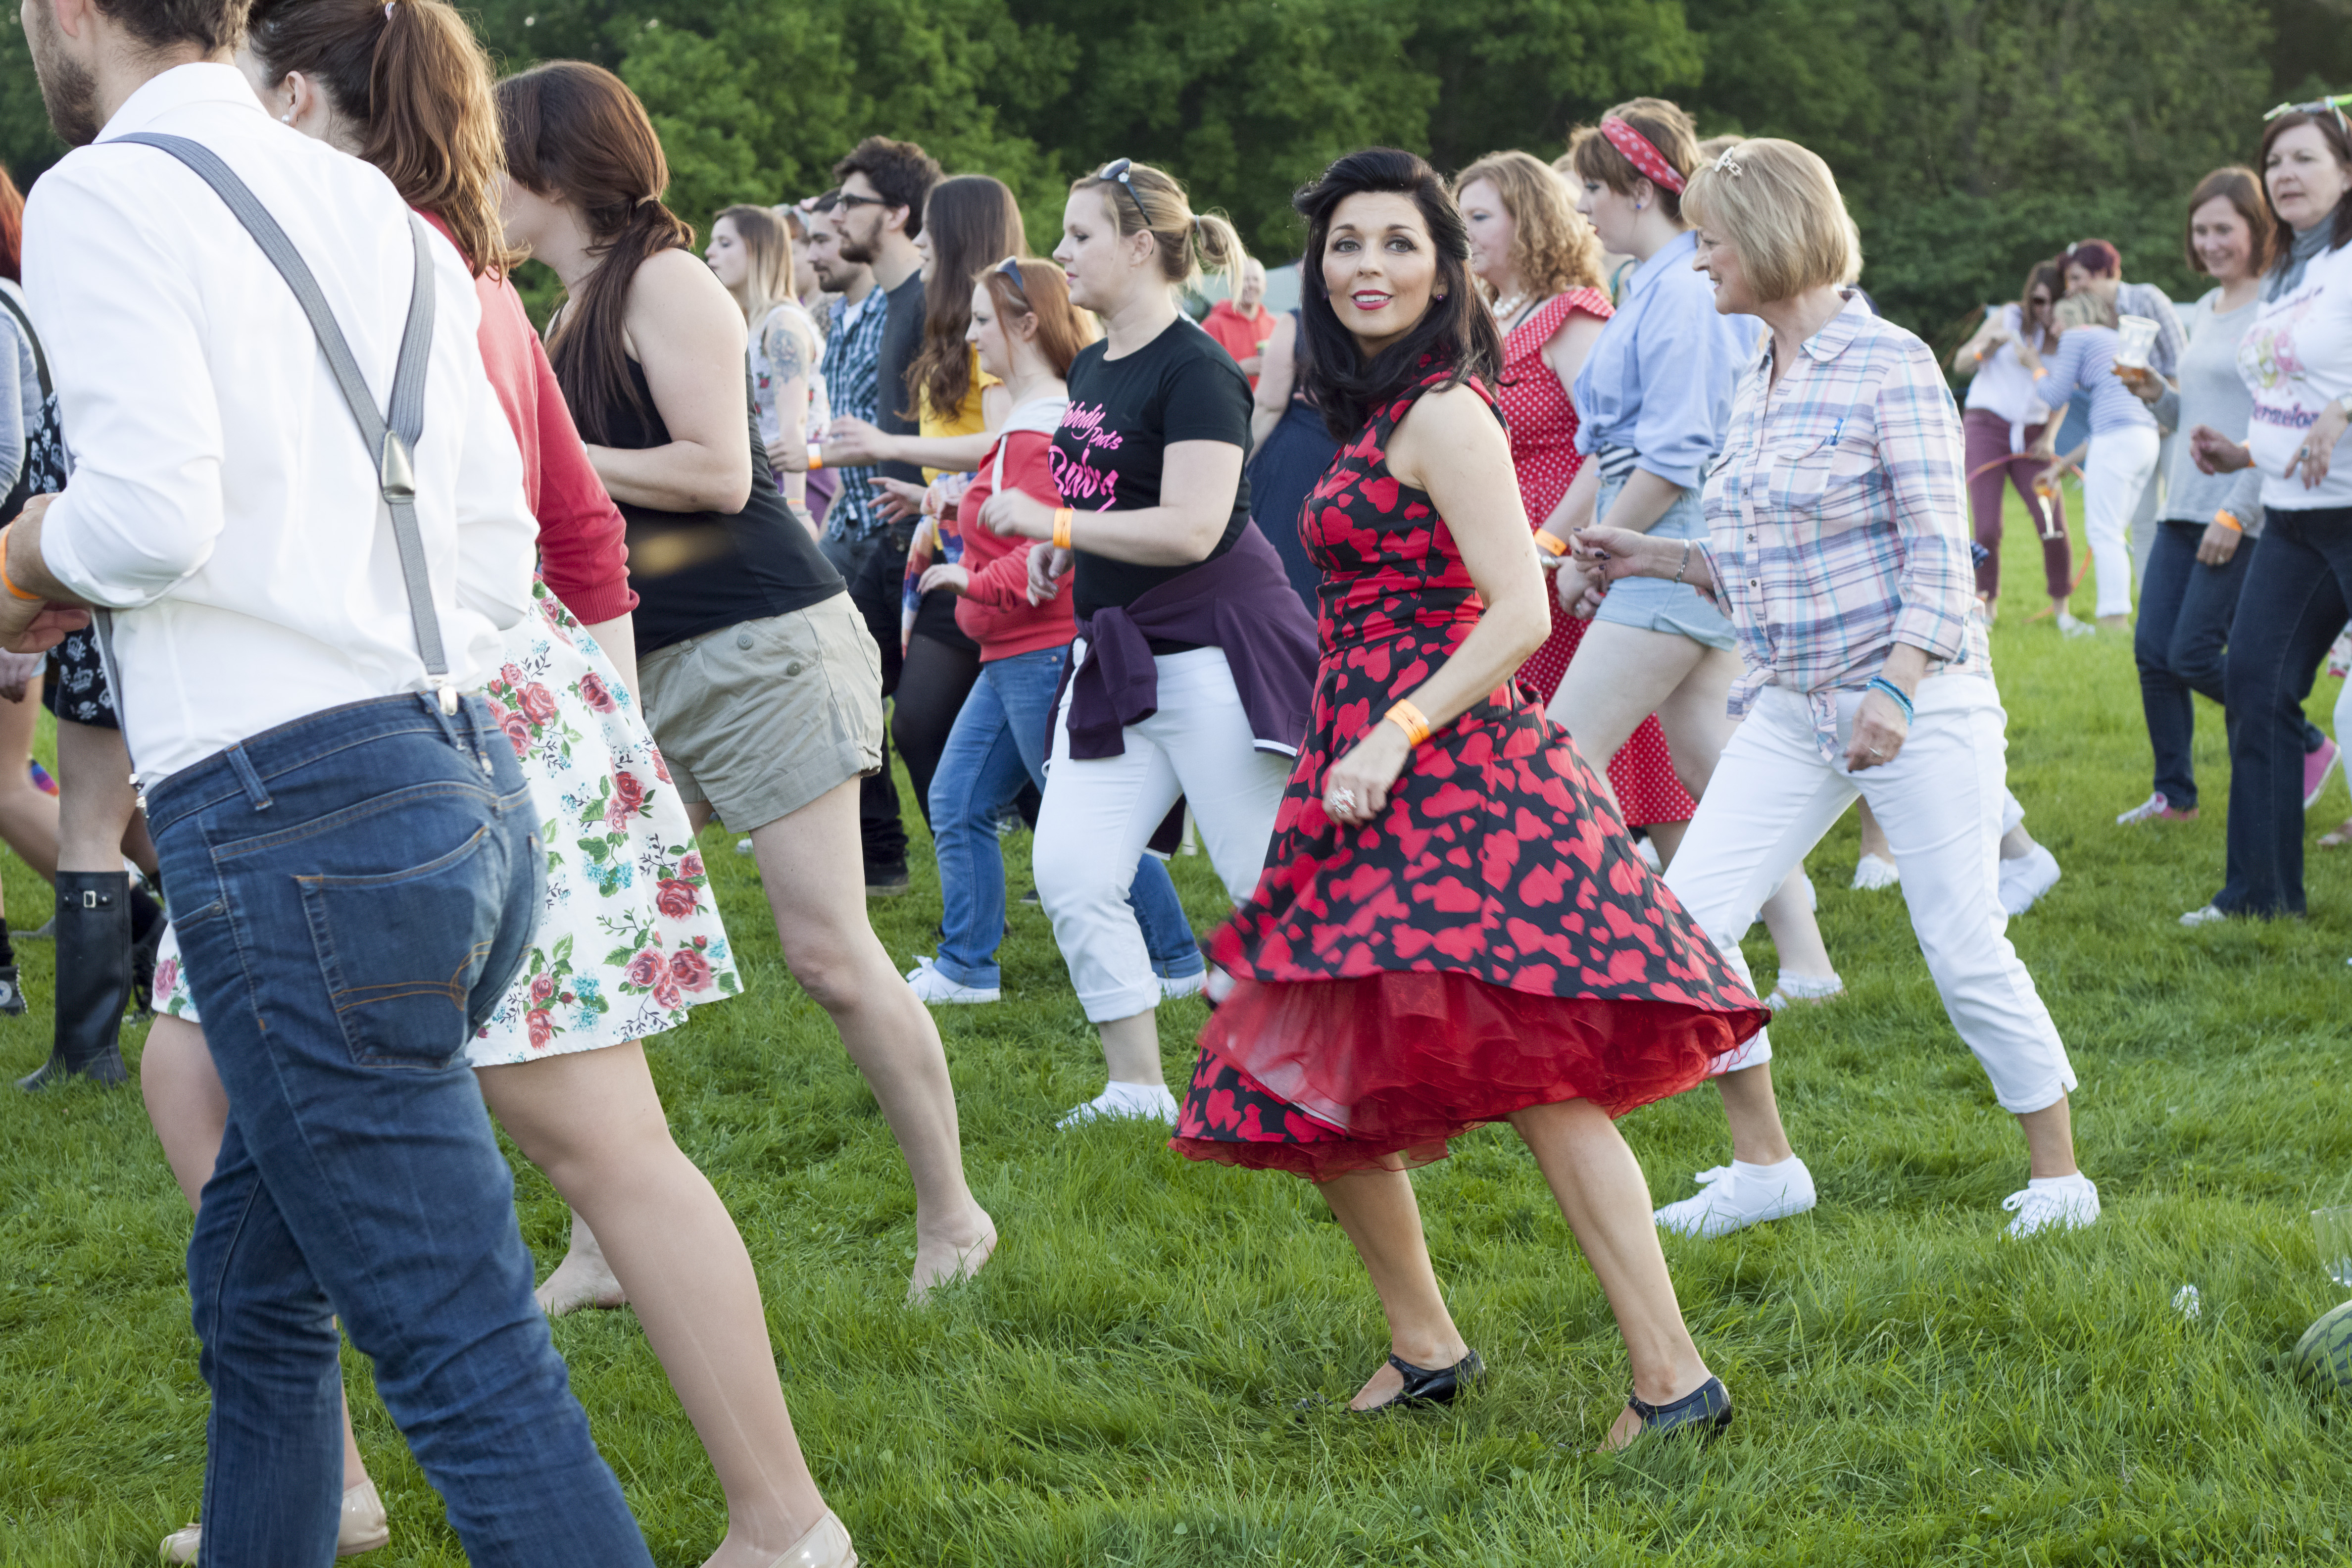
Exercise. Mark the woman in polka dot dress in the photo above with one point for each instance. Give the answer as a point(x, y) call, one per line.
point(1540, 264)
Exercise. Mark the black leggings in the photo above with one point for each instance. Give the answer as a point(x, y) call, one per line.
point(932, 684)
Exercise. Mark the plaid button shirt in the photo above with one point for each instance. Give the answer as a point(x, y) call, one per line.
point(1837, 518)
point(851, 366)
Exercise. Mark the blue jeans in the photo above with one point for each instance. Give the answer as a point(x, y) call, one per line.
point(999, 743)
point(2291, 608)
point(353, 892)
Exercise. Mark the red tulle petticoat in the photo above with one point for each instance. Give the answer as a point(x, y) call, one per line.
point(1324, 1077)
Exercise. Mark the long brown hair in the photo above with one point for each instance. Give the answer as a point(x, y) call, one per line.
point(2331, 131)
point(2243, 188)
point(2050, 275)
point(575, 133)
point(1044, 292)
point(974, 221)
point(413, 76)
point(11, 228)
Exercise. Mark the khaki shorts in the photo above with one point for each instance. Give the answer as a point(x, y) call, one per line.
point(762, 717)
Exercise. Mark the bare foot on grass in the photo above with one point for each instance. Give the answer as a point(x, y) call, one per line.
point(944, 1260)
point(582, 1279)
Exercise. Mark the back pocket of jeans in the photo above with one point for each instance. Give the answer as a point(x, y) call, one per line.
point(402, 951)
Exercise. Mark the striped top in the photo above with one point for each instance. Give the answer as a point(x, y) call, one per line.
point(1837, 518)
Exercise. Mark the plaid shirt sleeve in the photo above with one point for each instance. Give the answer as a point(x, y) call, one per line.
point(1921, 453)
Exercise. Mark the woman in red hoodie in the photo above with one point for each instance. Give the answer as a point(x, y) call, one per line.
point(1027, 333)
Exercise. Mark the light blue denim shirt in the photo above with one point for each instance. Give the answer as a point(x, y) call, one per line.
point(1660, 379)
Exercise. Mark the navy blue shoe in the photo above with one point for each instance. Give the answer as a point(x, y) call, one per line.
point(1706, 1409)
point(1429, 1385)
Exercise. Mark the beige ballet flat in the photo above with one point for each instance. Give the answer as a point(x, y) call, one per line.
point(826, 1545)
point(363, 1527)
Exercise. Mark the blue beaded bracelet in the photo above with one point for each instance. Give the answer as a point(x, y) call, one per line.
point(1880, 683)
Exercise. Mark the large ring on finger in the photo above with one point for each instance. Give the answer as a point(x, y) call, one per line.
point(1345, 799)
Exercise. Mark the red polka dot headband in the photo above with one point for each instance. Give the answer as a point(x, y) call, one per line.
point(1643, 156)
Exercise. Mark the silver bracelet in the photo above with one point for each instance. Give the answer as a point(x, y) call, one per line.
point(1686, 566)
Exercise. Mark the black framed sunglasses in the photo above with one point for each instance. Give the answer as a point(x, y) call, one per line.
point(1011, 268)
point(2322, 106)
point(845, 199)
point(1122, 170)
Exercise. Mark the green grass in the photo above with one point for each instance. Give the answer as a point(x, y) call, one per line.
point(1117, 1388)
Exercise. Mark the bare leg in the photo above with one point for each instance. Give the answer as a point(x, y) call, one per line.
point(2050, 1140)
point(592, 1121)
point(1376, 1208)
point(1599, 1185)
point(1620, 677)
point(815, 881)
point(28, 816)
point(1749, 1105)
point(1131, 1049)
point(1667, 838)
point(1873, 837)
point(190, 1112)
point(95, 802)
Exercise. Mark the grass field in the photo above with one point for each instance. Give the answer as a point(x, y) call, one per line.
point(1118, 1386)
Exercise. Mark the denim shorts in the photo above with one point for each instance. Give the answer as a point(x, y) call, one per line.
point(1652, 604)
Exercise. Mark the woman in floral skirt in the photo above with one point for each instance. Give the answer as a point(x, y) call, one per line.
point(1452, 927)
point(630, 937)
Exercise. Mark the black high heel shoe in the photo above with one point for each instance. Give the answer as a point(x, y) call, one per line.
point(1703, 1412)
point(1429, 1385)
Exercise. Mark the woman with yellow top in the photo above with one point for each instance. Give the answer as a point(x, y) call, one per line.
point(969, 224)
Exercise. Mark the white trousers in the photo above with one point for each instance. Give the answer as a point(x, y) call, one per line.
point(1098, 814)
point(1942, 801)
point(2117, 471)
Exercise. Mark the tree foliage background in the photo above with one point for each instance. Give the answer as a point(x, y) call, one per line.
point(1970, 136)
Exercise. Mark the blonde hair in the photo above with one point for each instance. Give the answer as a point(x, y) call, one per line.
point(2084, 310)
point(1777, 204)
point(767, 266)
point(1553, 249)
point(1189, 243)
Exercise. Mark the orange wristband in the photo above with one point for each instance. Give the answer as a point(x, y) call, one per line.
point(816, 457)
point(2229, 521)
point(1408, 718)
point(1551, 543)
point(1062, 518)
point(7, 581)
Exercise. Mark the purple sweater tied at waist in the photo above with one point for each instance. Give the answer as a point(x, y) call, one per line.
point(1241, 602)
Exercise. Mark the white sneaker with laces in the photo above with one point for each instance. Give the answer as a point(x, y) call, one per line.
point(1736, 1196)
point(1176, 987)
point(1141, 1101)
point(2069, 1203)
point(2025, 879)
point(2203, 917)
point(935, 988)
point(1875, 874)
point(1788, 990)
point(2075, 629)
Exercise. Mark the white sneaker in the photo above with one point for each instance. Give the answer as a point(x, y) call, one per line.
point(1788, 990)
point(1146, 1102)
point(1875, 874)
point(1733, 1200)
point(1175, 988)
point(938, 990)
point(2069, 1203)
point(2075, 629)
point(2026, 878)
point(2204, 916)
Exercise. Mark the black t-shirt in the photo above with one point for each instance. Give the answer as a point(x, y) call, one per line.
point(697, 572)
point(894, 400)
point(1123, 416)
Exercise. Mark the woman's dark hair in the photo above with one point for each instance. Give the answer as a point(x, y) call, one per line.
point(2242, 190)
point(2331, 129)
point(975, 223)
point(12, 229)
point(1457, 331)
point(574, 133)
point(415, 79)
point(1662, 123)
point(2096, 257)
point(901, 173)
point(2050, 275)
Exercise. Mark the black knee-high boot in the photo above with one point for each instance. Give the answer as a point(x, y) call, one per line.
point(93, 978)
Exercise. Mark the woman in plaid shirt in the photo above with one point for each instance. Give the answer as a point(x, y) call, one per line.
point(1838, 544)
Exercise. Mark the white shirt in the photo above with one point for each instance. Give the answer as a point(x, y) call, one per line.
point(2297, 358)
point(2001, 384)
point(221, 494)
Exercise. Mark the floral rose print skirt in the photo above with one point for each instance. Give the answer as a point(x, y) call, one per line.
point(630, 938)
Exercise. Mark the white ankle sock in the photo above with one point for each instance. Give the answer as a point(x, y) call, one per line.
point(1763, 1184)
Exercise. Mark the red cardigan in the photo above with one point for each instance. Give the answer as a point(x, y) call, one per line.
point(582, 551)
point(995, 611)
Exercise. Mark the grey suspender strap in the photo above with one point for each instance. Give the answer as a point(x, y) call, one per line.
point(390, 440)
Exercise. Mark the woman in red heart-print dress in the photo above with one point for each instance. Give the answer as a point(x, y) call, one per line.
point(1452, 927)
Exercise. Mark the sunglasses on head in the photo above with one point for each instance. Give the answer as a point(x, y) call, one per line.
point(2321, 106)
point(1011, 268)
point(1122, 170)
